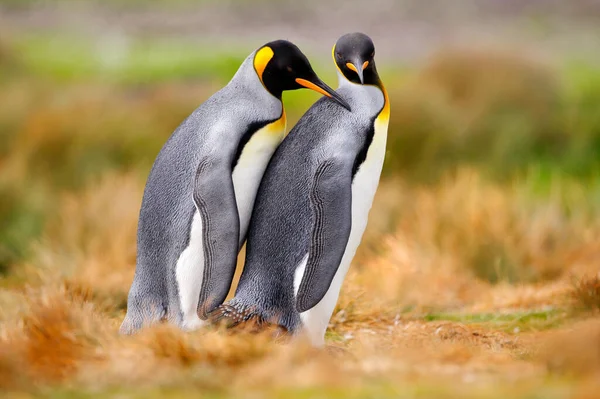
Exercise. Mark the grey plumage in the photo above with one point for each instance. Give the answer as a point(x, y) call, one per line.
point(201, 189)
point(326, 142)
point(213, 129)
point(313, 202)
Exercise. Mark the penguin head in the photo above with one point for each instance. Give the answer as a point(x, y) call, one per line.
point(280, 66)
point(354, 56)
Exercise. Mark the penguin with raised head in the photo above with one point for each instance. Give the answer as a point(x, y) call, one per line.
point(313, 203)
point(201, 189)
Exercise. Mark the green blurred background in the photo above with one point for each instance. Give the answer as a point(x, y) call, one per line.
point(510, 88)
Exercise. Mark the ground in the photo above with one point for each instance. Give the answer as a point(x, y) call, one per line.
point(409, 322)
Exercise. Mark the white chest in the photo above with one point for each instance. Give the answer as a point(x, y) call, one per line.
point(251, 166)
point(364, 186)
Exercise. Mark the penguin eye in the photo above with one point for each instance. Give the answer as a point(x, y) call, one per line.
point(289, 69)
point(338, 55)
point(372, 54)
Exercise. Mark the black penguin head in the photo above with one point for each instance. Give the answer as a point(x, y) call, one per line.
point(354, 56)
point(281, 66)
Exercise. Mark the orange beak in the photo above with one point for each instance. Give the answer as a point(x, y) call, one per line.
point(320, 87)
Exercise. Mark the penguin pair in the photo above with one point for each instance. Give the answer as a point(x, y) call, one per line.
point(304, 202)
point(200, 192)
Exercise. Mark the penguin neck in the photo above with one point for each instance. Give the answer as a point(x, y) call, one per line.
point(246, 88)
point(343, 81)
point(367, 98)
point(247, 78)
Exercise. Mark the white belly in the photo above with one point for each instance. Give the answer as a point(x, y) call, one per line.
point(189, 272)
point(364, 186)
point(246, 178)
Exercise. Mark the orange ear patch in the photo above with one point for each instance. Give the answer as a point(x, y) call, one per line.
point(351, 66)
point(261, 59)
point(365, 64)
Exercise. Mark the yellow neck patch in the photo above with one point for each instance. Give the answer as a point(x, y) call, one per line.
point(279, 126)
point(261, 59)
point(384, 115)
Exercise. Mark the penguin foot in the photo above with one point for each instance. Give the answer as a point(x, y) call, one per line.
point(231, 315)
point(246, 319)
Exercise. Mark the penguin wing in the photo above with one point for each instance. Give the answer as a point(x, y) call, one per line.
point(331, 204)
point(215, 199)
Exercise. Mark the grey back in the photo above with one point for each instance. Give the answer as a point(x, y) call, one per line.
point(280, 227)
point(213, 130)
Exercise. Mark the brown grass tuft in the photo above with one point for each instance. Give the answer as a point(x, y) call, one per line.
point(52, 347)
point(167, 343)
point(207, 347)
point(586, 292)
point(54, 336)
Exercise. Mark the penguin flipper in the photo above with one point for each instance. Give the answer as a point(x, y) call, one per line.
point(214, 197)
point(331, 204)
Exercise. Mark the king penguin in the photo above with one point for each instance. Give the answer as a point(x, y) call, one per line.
point(313, 203)
point(201, 189)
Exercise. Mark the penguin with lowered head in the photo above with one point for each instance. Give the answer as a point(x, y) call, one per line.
point(201, 189)
point(313, 203)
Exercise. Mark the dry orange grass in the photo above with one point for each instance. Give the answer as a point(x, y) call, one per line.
point(465, 228)
point(59, 317)
point(586, 292)
point(92, 256)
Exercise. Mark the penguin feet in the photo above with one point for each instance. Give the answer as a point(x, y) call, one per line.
point(246, 320)
point(231, 315)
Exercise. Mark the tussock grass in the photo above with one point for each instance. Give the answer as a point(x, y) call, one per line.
point(409, 310)
point(586, 292)
point(497, 233)
point(50, 337)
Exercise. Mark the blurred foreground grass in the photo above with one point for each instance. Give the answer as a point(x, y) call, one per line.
point(475, 277)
